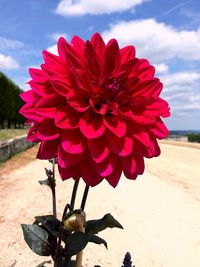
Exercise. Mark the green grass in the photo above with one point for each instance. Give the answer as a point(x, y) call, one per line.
point(6, 134)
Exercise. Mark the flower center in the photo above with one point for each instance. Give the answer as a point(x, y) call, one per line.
point(114, 85)
point(112, 95)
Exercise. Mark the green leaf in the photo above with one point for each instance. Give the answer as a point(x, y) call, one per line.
point(97, 240)
point(78, 241)
point(42, 264)
point(36, 238)
point(50, 223)
point(44, 182)
point(108, 221)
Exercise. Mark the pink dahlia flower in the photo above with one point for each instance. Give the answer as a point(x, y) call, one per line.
point(96, 108)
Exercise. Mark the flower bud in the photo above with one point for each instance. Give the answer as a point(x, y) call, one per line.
point(75, 221)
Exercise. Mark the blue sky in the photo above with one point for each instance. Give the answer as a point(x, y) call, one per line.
point(165, 32)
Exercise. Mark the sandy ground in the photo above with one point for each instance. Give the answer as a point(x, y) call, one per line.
point(160, 212)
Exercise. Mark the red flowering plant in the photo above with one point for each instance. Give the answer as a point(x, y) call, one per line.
point(96, 109)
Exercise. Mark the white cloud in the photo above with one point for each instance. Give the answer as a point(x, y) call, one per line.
point(181, 90)
point(8, 63)
point(161, 68)
point(6, 43)
point(53, 49)
point(189, 107)
point(82, 7)
point(155, 40)
point(56, 35)
point(180, 80)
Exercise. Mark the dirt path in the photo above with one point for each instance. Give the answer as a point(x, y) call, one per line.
point(160, 212)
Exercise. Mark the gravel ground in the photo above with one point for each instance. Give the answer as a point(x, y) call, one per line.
point(160, 212)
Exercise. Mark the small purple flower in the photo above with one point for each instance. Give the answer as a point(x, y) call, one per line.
point(127, 261)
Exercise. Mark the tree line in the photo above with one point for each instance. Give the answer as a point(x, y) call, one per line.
point(194, 138)
point(10, 103)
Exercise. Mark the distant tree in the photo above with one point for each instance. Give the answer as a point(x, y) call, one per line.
point(195, 138)
point(10, 103)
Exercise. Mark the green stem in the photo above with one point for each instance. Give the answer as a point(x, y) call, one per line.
point(53, 190)
point(73, 198)
point(84, 197)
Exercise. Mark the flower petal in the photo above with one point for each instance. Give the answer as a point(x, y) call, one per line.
point(48, 149)
point(115, 125)
point(145, 70)
point(127, 53)
point(47, 130)
point(41, 89)
point(129, 167)
point(107, 166)
point(32, 135)
point(38, 75)
point(145, 119)
point(92, 62)
point(61, 47)
point(158, 108)
point(142, 136)
point(62, 86)
point(130, 66)
point(111, 58)
point(73, 142)
point(134, 164)
point(27, 96)
point(98, 44)
point(51, 58)
point(78, 44)
point(153, 149)
point(98, 149)
point(91, 125)
point(69, 172)
point(159, 129)
point(66, 160)
point(80, 105)
point(147, 143)
point(67, 118)
point(50, 101)
point(90, 176)
point(140, 162)
point(46, 112)
point(114, 177)
point(120, 146)
point(150, 88)
point(29, 112)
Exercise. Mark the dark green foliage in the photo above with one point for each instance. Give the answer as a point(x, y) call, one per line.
point(10, 103)
point(78, 241)
point(195, 138)
point(49, 223)
point(37, 239)
point(44, 234)
point(108, 221)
